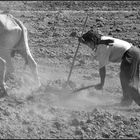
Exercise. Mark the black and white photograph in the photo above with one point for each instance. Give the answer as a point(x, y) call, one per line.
point(69, 69)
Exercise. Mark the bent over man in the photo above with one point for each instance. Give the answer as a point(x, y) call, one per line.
point(108, 49)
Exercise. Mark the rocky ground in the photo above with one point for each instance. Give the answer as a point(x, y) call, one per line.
point(53, 110)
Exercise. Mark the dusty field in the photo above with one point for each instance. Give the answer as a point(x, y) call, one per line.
point(54, 111)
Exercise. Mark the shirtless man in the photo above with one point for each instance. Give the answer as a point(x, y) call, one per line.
point(108, 49)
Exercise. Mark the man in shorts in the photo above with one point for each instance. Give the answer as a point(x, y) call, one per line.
point(108, 49)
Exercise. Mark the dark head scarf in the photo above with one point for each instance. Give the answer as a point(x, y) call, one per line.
point(92, 36)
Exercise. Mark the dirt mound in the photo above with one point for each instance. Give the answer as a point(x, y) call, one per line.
point(44, 116)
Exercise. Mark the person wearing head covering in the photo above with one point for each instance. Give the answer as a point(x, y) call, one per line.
point(109, 49)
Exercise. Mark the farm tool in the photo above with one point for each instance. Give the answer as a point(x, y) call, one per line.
point(74, 34)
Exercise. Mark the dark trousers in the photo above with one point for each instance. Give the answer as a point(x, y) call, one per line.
point(129, 75)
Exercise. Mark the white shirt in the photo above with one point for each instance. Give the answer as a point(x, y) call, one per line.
point(111, 53)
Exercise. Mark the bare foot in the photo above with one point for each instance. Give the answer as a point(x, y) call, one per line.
point(99, 86)
point(126, 102)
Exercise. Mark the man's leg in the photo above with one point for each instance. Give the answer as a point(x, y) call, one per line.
point(134, 85)
point(124, 79)
point(133, 60)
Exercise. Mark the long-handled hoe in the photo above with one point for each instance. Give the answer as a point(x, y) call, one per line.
point(74, 35)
